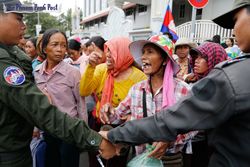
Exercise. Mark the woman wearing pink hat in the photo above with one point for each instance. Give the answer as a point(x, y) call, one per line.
point(148, 97)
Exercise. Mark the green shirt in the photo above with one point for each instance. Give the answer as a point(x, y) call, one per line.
point(23, 106)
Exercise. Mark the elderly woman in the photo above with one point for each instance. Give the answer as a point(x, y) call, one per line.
point(159, 91)
point(60, 81)
point(112, 80)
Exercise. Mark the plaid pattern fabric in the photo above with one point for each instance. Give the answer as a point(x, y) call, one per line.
point(214, 53)
point(133, 104)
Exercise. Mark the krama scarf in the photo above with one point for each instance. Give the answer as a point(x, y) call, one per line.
point(119, 48)
point(212, 52)
point(168, 86)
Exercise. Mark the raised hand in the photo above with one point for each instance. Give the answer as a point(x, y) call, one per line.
point(95, 57)
point(106, 111)
point(159, 150)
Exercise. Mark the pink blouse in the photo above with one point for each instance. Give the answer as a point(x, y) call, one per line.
point(62, 85)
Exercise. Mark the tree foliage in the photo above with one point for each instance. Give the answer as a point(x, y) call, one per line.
point(47, 21)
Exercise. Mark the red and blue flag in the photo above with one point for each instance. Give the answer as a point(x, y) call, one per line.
point(168, 25)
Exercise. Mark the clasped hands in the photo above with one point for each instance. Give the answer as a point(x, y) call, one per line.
point(108, 150)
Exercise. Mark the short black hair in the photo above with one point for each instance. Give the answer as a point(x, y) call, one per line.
point(33, 41)
point(98, 41)
point(232, 40)
point(41, 31)
point(74, 44)
point(47, 35)
point(216, 39)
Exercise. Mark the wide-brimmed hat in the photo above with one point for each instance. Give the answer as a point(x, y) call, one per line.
point(15, 6)
point(226, 19)
point(160, 41)
point(185, 41)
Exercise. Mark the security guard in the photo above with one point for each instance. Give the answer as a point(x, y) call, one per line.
point(219, 103)
point(23, 106)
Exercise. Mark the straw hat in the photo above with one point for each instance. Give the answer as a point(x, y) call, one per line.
point(185, 41)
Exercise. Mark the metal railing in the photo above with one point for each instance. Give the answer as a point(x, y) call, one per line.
point(204, 30)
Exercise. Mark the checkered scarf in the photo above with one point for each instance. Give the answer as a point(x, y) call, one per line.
point(214, 53)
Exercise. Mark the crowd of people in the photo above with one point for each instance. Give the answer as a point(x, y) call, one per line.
point(178, 97)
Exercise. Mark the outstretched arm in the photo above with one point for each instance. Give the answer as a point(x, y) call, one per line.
point(210, 103)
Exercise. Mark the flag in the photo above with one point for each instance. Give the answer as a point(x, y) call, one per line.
point(168, 25)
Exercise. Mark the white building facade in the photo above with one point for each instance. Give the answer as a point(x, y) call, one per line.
point(139, 19)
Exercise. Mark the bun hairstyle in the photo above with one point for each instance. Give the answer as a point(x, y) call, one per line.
point(74, 45)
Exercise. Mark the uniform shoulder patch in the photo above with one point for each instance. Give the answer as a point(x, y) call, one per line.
point(14, 75)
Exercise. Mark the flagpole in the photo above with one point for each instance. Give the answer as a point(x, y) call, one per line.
point(192, 33)
point(170, 2)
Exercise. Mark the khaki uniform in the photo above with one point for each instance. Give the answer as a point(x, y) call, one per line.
point(23, 106)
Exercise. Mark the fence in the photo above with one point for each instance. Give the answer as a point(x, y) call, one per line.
point(204, 30)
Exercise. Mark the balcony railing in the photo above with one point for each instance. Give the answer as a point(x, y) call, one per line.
point(204, 30)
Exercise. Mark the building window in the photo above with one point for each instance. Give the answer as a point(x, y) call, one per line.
point(182, 11)
point(96, 21)
point(91, 23)
point(129, 11)
point(104, 19)
point(198, 14)
point(142, 8)
point(86, 25)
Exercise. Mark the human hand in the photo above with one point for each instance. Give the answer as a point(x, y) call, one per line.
point(95, 57)
point(106, 111)
point(126, 117)
point(119, 148)
point(104, 134)
point(106, 149)
point(159, 150)
point(190, 78)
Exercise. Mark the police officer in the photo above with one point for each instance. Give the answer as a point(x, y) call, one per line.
point(219, 103)
point(23, 106)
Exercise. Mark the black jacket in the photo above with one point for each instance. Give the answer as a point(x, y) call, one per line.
point(219, 103)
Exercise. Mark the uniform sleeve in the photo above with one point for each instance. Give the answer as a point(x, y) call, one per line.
point(91, 79)
point(29, 102)
point(210, 104)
